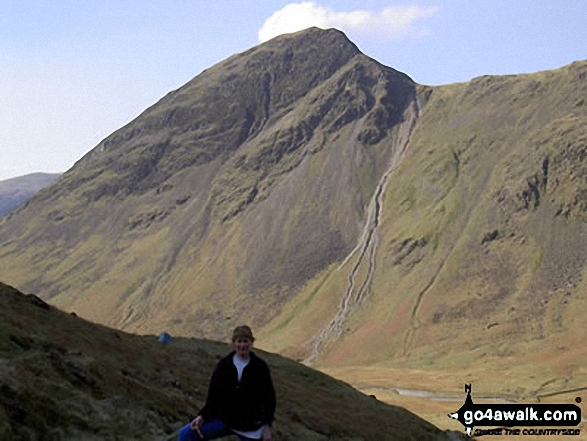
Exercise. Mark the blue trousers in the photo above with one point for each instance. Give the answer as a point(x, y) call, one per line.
point(211, 430)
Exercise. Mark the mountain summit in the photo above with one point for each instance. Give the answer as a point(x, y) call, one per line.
point(236, 189)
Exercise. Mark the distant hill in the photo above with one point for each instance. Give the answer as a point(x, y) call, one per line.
point(64, 378)
point(15, 191)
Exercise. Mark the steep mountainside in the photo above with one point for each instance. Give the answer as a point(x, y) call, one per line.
point(481, 255)
point(353, 217)
point(62, 378)
point(15, 191)
point(234, 190)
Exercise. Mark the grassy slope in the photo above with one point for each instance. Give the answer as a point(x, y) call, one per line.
point(506, 312)
point(478, 148)
point(448, 296)
point(64, 378)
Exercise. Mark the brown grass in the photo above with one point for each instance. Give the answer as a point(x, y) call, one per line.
point(62, 378)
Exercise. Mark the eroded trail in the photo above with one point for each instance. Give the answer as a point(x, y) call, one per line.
point(361, 274)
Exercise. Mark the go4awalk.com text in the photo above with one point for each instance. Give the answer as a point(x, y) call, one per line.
point(532, 418)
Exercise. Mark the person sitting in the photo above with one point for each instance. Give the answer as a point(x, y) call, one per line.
point(241, 396)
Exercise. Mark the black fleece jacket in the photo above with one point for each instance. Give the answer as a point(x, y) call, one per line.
point(244, 405)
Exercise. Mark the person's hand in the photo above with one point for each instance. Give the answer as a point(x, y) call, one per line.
point(197, 422)
point(266, 433)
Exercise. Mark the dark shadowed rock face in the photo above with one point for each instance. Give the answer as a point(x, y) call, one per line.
point(220, 110)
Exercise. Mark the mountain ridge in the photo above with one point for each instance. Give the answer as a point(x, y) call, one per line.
point(244, 196)
point(275, 153)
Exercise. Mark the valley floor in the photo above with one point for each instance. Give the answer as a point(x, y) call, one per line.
point(433, 394)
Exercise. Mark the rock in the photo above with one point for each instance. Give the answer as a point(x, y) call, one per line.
point(490, 237)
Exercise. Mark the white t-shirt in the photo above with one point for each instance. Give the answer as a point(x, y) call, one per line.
point(240, 364)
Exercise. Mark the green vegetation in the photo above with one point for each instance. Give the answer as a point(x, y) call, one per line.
point(63, 378)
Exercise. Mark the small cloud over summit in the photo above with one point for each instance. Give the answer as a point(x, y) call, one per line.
point(395, 21)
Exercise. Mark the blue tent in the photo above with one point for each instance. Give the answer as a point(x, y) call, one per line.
point(165, 338)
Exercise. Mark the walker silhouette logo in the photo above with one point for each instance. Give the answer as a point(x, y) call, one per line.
point(508, 415)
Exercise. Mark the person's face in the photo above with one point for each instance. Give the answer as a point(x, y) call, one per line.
point(242, 346)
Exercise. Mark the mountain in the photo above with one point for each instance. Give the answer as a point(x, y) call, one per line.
point(68, 379)
point(360, 221)
point(238, 187)
point(15, 191)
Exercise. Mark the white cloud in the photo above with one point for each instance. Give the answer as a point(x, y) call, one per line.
point(391, 22)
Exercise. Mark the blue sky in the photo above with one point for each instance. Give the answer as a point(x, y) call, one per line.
point(72, 72)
